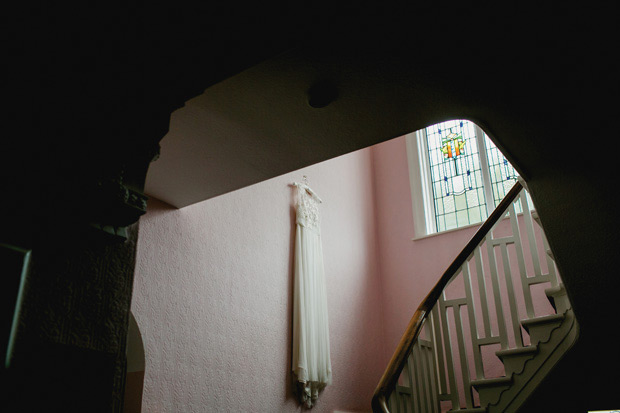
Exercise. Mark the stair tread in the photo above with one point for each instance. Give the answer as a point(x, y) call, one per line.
point(542, 319)
point(505, 380)
point(472, 410)
point(517, 351)
point(559, 289)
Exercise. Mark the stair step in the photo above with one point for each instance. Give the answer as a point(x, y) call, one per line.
point(540, 328)
point(514, 359)
point(490, 390)
point(558, 290)
point(473, 410)
point(558, 298)
point(537, 219)
point(498, 381)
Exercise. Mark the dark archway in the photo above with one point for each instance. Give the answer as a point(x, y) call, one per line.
point(134, 384)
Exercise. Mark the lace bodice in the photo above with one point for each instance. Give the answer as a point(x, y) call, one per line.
point(307, 209)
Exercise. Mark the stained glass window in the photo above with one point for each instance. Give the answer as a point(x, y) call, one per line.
point(503, 175)
point(466, 173)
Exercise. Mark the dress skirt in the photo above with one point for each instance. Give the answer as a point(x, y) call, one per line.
point(311, 359)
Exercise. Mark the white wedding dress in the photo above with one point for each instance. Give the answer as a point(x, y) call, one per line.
point(311, 361)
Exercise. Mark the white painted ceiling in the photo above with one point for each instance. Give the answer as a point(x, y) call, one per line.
point(258, 124)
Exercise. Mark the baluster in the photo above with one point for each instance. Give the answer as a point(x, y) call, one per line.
point(408, 405)
point(393, 400)
point(423, 382)
point(473, 325)
point(431, 391)
point(426, 350)
point(525, 285)
point(447, 342)
point(435, 389)
point(438, 342)
point(463, 356)
point(415, 357)
point(423, 388)
point(553, 275)
point(531, 236)
point(405, 393)
point(512, 303)
point(396, 402)
point(482, 288)
point(497, 298)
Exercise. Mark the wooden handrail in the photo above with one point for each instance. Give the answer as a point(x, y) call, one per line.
point(399, 359)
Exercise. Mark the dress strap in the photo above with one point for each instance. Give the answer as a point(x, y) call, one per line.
point(302, 186)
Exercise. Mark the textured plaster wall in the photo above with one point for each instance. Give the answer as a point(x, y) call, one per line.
point(213, 295)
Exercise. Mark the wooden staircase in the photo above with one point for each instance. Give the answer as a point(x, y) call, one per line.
point(551, 336)
point(491, 295)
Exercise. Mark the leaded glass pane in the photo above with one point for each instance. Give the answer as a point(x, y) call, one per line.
point(462, 217)
point(449, 221)
point(475, 214)
point(503, 175)
point(448, 203)
point(457, 179)
point(441, 223)
point(457, 184)
point(460, 201)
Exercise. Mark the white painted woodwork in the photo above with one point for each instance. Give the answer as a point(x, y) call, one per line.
point(447, 364)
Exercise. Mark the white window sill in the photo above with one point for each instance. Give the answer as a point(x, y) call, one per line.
point(434, 234)
point(421, 237)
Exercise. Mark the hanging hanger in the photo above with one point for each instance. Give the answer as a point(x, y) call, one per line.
point(304, 185)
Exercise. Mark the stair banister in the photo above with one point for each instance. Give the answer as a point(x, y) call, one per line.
point(399, 358)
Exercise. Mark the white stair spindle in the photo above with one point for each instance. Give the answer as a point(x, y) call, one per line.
point(499, 307)
point(473, 325)
point(463, 356)
point(426, 391)
point(438, 345)
point(525, 286)
point(419, 379)
point(550, 262)
point(434, 383)
point(408, 401)
point(529, 228)
point(436, 389)
point(482, 290)
point(447, 341)
point(512, 303)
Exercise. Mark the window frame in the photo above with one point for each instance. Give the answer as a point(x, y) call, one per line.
point(424, 217)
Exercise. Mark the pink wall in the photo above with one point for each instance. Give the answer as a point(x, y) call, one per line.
point(213, 295)
point(213, 286)
point(409, 268)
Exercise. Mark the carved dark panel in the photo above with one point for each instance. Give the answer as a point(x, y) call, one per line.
point(70, 342)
